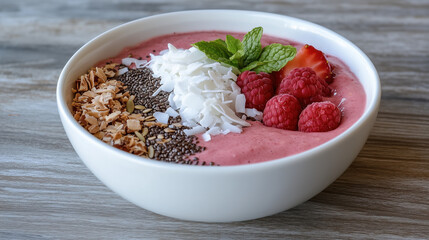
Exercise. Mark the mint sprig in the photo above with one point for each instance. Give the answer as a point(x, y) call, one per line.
point(248, 54)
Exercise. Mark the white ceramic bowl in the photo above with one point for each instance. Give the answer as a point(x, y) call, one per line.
point(228, 193)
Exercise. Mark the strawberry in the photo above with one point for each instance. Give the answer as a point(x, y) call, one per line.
point(307, 56)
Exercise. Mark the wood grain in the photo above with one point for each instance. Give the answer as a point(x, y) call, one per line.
point(47, 193)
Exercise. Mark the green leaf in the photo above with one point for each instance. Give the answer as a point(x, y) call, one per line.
point(235, 47)
point(220, 42)
point(252, 65)
point(252, 45)
point(215, 50)
point(237, 56)
point(275, 57)
point(233, 44)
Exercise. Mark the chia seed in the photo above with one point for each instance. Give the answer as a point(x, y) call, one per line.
point(142, 84)
point(179, 147)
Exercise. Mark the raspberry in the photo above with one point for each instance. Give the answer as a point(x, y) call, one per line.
point(326, 90)
point(306, 101)
point(282, 111)
point(257, 88)
point(304, 84)
point(319, 117)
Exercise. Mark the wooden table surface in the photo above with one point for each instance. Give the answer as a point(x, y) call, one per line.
point(47, 193)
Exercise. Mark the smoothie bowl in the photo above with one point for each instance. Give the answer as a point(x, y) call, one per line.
point(201, 129)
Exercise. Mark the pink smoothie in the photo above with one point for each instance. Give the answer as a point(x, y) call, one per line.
point(259, 143)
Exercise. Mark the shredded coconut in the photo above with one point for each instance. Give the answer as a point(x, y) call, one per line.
point(203, 91)
point(122, 70)
point(161, 117)
point(138, 63)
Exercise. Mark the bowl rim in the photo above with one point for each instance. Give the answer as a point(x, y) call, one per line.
point(366, 116)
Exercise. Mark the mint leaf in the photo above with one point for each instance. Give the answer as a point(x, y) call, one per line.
point(233, 44)
point(237, 56)
point(220, 42)
point(215, 50)
point(275, 57)
point(252, 45)
point(252, 65)
point(235, 47)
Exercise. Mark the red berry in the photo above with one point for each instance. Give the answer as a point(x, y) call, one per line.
point(319, 117)
point(282, 111)
point(300, 82)
point(326, 90)
point(304, 84)
point(306, 101)
point(257, 88)
point(308, 56)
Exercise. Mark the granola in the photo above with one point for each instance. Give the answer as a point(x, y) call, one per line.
point(100, 106)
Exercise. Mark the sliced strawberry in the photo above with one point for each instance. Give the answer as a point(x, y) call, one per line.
point(307, 56)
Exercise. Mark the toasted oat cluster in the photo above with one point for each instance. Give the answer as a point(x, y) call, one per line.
point(99, 106)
